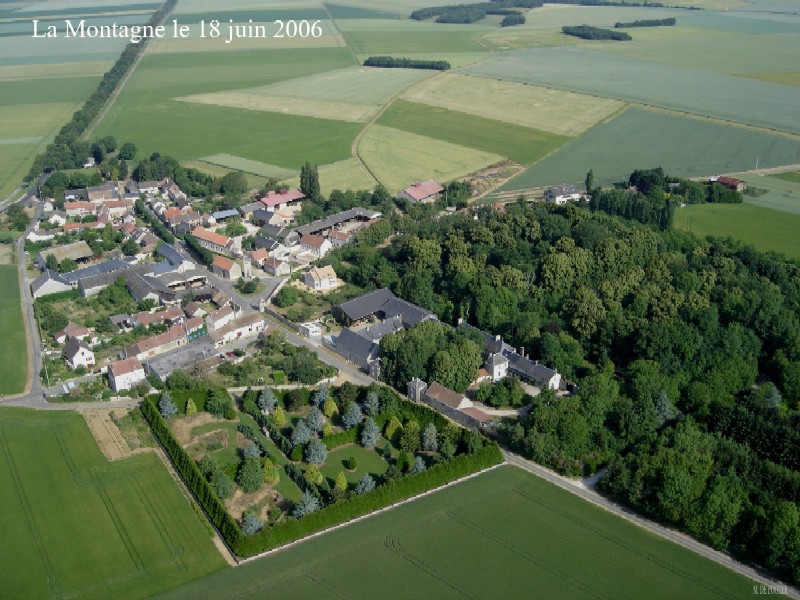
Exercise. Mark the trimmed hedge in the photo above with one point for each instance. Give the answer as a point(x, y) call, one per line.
point(191, 475)
point(382, 496)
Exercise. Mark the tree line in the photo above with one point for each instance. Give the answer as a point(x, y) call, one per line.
point(469, 13)
point(68, 151)
point(391, 62)
point(648, 23)
point(587, 32)
point(672, 339)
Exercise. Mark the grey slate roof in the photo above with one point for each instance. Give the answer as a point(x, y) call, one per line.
point(73, 346)
point(356, 349)
point(99, 269)
point(375, 332)
point(251, 208)
point(225, 214)
point(363, 306)
point(528, 367)
point(42, 279)
point(331, 221)
point(171, 254)
point(410, 314)
point(266, 243)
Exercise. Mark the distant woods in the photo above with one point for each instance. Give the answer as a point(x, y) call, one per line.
point(390, 62)
point(587, 32)
point(647, 23)
point(469, 13)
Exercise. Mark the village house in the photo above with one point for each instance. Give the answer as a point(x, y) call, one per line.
point(248, 209)
point(77, 353)
point(732, 183)
point(158, 344)
point(195, 328)
point(316, 244)
point(246, 326)
point(58, 218)
point(125, 374)
point(193, 309)
point(107, 191)
point(277, 268)
point(49, 282)
point(220, 317)
point(227, 268)
point(321, 279)
point(268, 217)
point(441, 398)
point(258, 256)
point(422, 191)
point(73, 330)
point(282, 199)
point(215, 242)
point(339, 238)
point(79, 208)
point(172, 316)
point(562, 194)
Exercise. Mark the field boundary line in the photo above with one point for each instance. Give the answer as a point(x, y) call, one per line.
point(639, 520)
point(115, 94)
point(372, 514)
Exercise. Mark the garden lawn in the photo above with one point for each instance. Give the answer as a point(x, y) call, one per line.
point(521, 144)
point(504, 534)
point(368, 461)
point(13, 354)
point(81, 525)
point(764, 228)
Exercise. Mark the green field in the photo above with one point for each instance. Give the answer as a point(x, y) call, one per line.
point(608, 74)
point(342, 175)
point(77, 526)
point(638, 138)
point(398, 158)
point(782, 193)
point(521, 144)
point(504, 534)
point(13, 357)
point(793, 177)
point(557, 111)
point(764, 228)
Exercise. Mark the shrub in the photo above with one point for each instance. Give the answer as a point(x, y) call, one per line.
point(314, 475)
point(307, 504)
point(352, 416)
point(222, 485)
point(341, 482)
point(315, 452)
point(166, 406)
point(279, 417)
point(403, 461)
point(296, 453)
point(352, 464)
point(329, 408)
point(218, 403)
point(365, 484)
point(418, 466)
point(271, 473)
point(409, 439)
point(393, 429)
point(191, 408)
point(301, 433)
point(430, 441)
point(250, 476)
point(369, 433)
point(252, 451)
point(294, 400)
point(251, 524)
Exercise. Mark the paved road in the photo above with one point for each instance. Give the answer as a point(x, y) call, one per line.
point(679, 538)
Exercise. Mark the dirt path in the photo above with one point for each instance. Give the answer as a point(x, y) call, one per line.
point(106, 433)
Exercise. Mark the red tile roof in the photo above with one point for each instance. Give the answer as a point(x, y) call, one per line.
point(476, 414)
point(80, 204)
point(221, 262)
point(444, 395)
point(315, 241)
point(259, 255)
point(423, 189)
point(125, 366)
point(210, 236)
point(281, 197)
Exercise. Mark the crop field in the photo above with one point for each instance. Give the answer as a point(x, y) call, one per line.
point(782, 194)
point(557, 111)
point(342, 175)
point(630, 79)
point(352, 94)
point(793, 176)
point(639, 138)
point(401, 42)
point(398, 158)
point(504, 534)
point(247, 166)
point(521, 144)
point(13, 357)
point(764, 228)
point(81, 525)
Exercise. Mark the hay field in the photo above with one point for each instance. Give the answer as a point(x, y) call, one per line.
point(521, 144)
point(351, 94)
point(610, 75)
point(254, 167)
point(398, 158)
point(504, 534)
point(76, 525)
point(557, 111)
point(764, 228)
point(639, 138)
point(342, 175)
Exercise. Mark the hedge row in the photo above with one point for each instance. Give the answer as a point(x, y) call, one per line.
point(191, 475)
point(382, 496)
point(157, 225)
